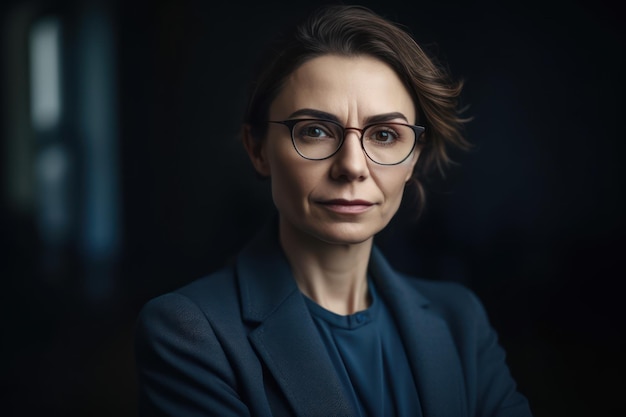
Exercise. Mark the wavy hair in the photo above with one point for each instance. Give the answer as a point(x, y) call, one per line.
point(351, 30)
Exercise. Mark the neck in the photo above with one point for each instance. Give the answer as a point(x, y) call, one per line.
point(333, 275)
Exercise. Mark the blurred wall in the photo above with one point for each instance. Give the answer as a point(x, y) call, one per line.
point(139, 185)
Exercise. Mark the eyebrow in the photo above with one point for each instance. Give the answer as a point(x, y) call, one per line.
point(385, 117)
point(319, 114)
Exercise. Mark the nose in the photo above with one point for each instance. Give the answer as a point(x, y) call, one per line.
point(350, 162)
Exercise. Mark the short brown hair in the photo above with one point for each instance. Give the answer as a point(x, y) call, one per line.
point(351, 30)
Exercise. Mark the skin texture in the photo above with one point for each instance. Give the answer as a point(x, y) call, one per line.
point(327, 244)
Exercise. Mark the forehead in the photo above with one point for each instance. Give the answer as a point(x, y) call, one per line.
point(352, 88)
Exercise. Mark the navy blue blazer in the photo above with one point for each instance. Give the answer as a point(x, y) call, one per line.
point(241, 342)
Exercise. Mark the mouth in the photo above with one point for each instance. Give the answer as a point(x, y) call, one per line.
point(347, 206)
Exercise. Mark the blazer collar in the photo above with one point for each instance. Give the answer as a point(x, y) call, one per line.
point(289, 343)
point(286, 338)
point(264, 275)
point(427, 339)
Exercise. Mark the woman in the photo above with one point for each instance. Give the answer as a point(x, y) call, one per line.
point(310, 320)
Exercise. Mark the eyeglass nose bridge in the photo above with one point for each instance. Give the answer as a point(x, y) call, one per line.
point(360, 136)
point(345, 134)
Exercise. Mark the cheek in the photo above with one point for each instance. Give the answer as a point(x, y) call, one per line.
point(292, 180)
point(393, 180)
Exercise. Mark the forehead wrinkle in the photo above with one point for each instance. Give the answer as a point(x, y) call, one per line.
point(352, 95)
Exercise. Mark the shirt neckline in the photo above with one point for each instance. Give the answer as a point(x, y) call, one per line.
point(349, 321)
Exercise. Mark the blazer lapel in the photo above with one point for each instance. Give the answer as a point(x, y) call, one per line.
point(434, 359)
point(288, 343)
point(286, 337)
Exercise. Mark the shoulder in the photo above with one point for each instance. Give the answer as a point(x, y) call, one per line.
point(219, 286)
point(452, 301)
point(443, 293)
point(199, 301)
point(455, 302)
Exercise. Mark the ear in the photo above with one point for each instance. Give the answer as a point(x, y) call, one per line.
point(255, 148)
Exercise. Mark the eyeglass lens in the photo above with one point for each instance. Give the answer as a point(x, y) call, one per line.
point(384, 143)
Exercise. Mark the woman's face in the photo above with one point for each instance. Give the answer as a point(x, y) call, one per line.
point(346, 198)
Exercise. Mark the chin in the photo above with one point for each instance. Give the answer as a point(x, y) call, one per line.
point(346, 234)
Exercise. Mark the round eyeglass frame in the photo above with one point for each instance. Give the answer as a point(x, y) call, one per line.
point(291, 123)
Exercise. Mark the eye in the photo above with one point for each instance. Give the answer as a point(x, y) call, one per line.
point(315, 130)
point(383, 134)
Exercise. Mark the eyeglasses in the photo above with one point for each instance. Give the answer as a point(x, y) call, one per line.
point(384, 143)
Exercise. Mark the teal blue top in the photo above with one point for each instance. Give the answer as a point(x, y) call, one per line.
point(368, 354)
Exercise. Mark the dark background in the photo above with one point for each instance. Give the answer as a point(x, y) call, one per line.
point(532, 219)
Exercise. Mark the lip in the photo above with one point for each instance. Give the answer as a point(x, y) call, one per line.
point(343, 206)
